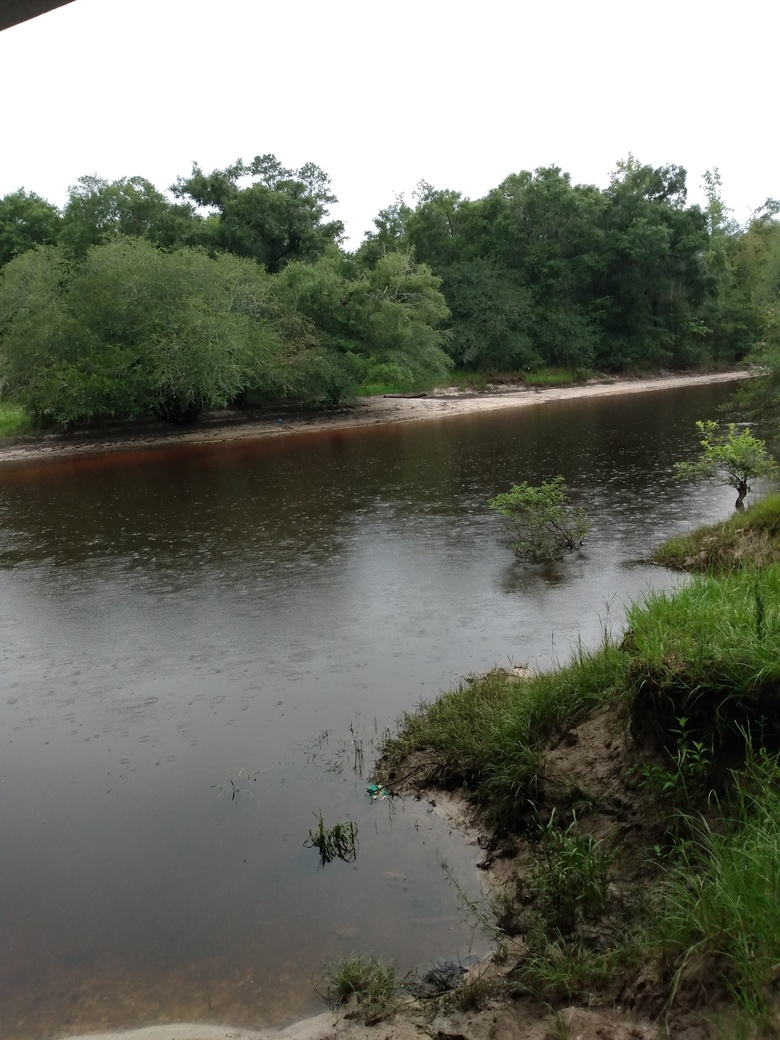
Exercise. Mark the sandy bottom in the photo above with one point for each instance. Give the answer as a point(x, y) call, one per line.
point(370, 411)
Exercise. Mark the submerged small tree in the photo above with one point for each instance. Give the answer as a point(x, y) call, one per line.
point(544, 523)
point(730, 457)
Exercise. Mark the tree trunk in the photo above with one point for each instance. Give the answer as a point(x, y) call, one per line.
point(742, 490)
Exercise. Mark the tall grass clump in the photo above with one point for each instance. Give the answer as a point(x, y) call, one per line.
point(561, 969)
point(721, 903)
point(572, 875)
point(461, 727)
point(708, 653)
point(368, 982)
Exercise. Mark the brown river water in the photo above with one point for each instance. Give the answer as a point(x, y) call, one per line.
point(200, 647)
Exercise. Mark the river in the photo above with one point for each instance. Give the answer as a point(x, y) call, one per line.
point(201, 646)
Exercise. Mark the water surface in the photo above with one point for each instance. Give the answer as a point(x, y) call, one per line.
point(182, 622)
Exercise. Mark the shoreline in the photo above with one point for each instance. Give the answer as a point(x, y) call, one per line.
point(231, 426)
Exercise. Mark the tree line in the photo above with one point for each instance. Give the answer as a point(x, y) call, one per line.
point(235, 287)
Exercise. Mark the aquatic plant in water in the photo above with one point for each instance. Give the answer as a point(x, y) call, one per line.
point(336, 842)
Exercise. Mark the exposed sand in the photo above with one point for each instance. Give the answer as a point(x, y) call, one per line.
point(373, 411)
point(307, 1030)
point(497, 1021)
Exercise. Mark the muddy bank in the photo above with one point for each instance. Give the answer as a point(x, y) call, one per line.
point(371, 411)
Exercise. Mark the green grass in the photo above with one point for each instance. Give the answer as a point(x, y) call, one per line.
point(479, 381)
point(708, 653)
point(556, 376)
point(722, 898)
point(387, 382)
point(488, 733)
point(706, 658)
point(368, 982)
point(379, 389)
point(697, 677)
point(572, 876)
point(560, 970)
point(545, 376)
point(471, 993)
point(751, 537)
point(13, 420)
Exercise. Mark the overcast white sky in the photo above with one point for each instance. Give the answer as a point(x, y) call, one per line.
point(382, 95)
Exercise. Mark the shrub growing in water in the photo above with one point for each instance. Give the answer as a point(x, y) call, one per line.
point(544, 523)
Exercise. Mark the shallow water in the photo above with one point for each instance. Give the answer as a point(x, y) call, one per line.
point(200, 642)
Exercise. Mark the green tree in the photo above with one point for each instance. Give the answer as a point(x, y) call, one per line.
point(543, 271)
point(98, 211)
point(435, 226)
point(132, 330)
point(379, 323)
point(760, 257)
point(389, 235)
point(26, 221)
point(516, 268)
point(548, 233)
point(653, 276)
point(730, 457)
point(727, 319)
point(544, 523)
point(494, 317)
point(278, 218)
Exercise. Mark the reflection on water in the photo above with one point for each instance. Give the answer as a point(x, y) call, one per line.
point(177, 620)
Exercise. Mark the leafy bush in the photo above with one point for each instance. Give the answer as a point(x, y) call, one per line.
point(132, 331)
point(543, 522)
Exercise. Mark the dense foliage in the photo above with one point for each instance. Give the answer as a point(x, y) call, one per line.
point(544, 272)
point(96, 301)
point(133, 330)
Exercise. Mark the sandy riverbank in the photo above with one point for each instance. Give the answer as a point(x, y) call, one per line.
point(370, 411)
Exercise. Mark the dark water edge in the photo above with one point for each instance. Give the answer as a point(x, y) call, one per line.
point(253, 612)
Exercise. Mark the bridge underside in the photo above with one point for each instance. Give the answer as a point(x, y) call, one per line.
point(14, 11)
